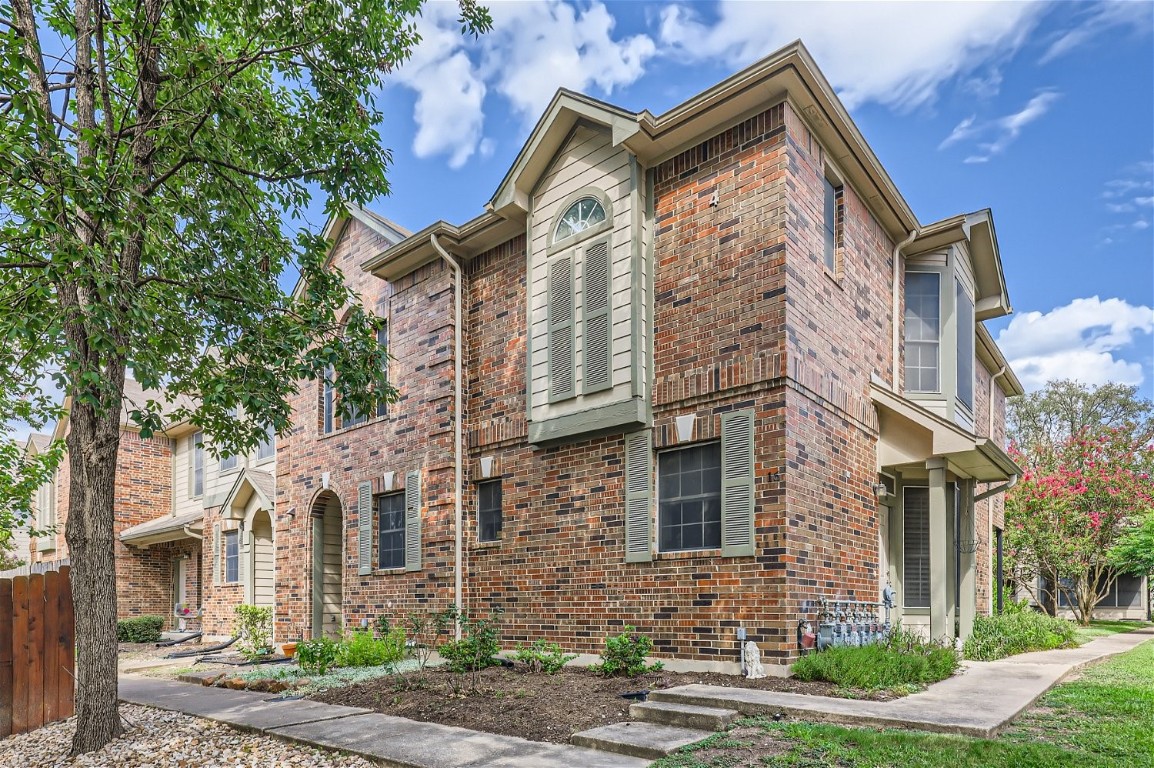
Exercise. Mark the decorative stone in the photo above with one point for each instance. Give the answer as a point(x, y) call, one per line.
point(753, 668)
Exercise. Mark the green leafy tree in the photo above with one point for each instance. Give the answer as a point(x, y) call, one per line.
point(155, 159)
point(1087, 455)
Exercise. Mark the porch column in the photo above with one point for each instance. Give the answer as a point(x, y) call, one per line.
point(941, 600)
point(968, 604)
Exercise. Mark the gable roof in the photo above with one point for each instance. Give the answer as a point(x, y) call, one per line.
point(976, 230)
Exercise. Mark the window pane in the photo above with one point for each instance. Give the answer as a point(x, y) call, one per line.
point(198, 464)
point(391, 527)
point(830, 223)
point(383, 340)
point(489, 510)
point(923, 332)
point(580, 216)
point(327, 404)
point(232, 556)
point(916, 579)
point(965, 308)
point(266, 448)
point(689, 495)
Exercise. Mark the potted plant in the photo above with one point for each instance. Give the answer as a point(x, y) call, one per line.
point(289, 647)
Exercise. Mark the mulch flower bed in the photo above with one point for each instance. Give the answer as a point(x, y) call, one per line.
point(539, 707)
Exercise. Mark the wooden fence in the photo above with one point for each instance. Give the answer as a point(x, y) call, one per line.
point(31, 568)
point(37, 651)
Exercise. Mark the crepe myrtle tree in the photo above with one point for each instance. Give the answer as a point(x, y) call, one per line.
point(156, 158)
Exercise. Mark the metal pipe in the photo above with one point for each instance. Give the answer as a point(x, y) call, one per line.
point(188, 532)
point(997, 489)
point(896, 285)
point(458, 407)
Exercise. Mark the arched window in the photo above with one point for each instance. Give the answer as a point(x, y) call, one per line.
point(583, 214)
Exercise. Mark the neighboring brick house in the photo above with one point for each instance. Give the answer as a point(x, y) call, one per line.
point(171, 488)
point(708, 368)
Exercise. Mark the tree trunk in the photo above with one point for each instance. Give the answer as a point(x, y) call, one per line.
point(93, 442)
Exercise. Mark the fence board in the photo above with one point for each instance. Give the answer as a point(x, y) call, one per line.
point(65, 651)
point(51, 671)
point(6, 628)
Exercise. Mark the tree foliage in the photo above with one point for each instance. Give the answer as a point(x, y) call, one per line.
point(1088, 460)
point(156, 157)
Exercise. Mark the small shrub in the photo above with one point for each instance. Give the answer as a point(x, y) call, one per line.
point(543, 657)
point(362, 649)
point(318, 655)
point(1011, 633)
point(903, 660)
point(253, 630)
point(477, 648)
point(624, 655)
point(139, 629)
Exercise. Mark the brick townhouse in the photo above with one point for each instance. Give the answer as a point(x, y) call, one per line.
point(170, 488)
point(690, 372)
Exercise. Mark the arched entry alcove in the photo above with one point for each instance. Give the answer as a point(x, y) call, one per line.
point(327, 565)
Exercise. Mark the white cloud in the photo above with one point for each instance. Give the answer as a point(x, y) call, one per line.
point(1141, 224)
point(1096, 19)
point(896, 54)
point(1083, 340)
point(532, 50)
point(1002, 131)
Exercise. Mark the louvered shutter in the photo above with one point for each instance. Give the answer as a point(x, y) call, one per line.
point(216, 553)
point(597, 338)
point(916, 543)
point(561, 357)
point(413, 521)
point(737, 484)
point(638, 496)
point(364, 529)
point(242, 551)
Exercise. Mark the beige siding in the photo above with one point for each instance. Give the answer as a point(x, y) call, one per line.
point(588, 161)
point(332, 568)
point(262, 556)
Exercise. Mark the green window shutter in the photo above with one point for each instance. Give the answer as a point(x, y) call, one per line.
point(737, 484)
point(638, 498)
point(364, 529)
point(413, 521)
point(562, 361)
point(216, 553)
point(597, 346)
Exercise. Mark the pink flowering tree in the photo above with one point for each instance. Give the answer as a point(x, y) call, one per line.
point(1078, 500)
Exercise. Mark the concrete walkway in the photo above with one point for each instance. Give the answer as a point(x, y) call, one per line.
point(392, 741)
point(980, 701)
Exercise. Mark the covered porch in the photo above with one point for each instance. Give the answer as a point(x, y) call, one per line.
point(934, 474)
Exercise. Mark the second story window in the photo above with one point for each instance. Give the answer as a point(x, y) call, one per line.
point(383, 340)
point(831, 222)
point(923, 332)
point(197, 469)
point(965, 315)
point(266, 448)
point(327, 401)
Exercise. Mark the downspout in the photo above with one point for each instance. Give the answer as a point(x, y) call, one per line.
point(990, 516)
point(1006, 486)
point(188, 532)
point(458, 407)
point(896, 285)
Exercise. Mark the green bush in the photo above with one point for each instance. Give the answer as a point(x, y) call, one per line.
point(903, 659)
point(477, 648)
point(139, 629)
point(362, 649)
point(543, 657)
point(624, 655)
point(1011, 633)
point(253, 630)
point(316, 656)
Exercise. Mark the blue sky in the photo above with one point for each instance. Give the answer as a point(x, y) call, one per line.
point(1043, 112)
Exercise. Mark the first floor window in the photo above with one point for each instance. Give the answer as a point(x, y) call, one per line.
point(916, 578)
point(489, 510)
point(391, 530)
point(689, 498)
point(231, 556)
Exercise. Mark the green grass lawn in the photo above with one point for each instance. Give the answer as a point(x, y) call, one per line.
point(1083, 635)
point(1103, 718)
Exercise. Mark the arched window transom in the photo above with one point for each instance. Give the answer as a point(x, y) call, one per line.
point(583, 214)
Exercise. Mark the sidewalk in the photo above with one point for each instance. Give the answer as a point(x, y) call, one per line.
point(394, 741)
point(980, 702)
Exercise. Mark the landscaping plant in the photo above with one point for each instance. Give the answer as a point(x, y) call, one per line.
point(625, 654)
point(253, 630)
point(362, 649)
point(139, 629)
point(543, 657)
point(318, 655)
point(902, 661)
point(1016, 631)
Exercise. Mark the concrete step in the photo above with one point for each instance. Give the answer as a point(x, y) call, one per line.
point(683, 715)
point(645, 740)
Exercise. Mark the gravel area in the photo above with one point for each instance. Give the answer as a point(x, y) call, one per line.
point(155, 738)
